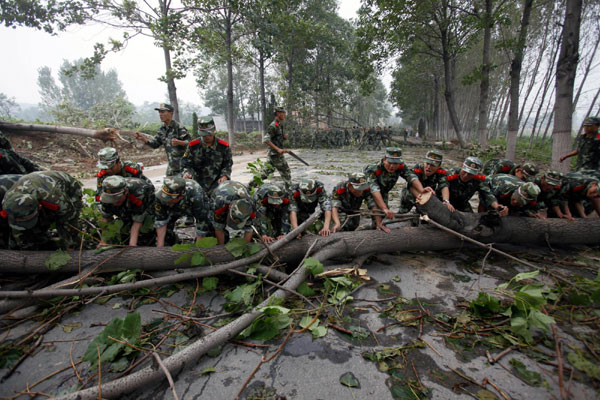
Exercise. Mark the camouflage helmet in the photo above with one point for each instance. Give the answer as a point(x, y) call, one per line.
point(239, 212)
point(596, 193)
point(553, 178)
point(279, 109)
point(526, 193)
point(165, 107)
point(22, 210)
point(358, 181)
point(274, 194)
point(173, 187)
point(308, 190)
point(472, 165)
point(206, 126)
point(107, 157)
point(591, 121)
point(113, 188)
point(394, 155)
point(530, 170)
point(434, 158)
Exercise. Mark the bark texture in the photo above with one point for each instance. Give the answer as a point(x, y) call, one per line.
point(106, 134)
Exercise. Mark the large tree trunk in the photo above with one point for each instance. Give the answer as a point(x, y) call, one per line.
point(450, 93)
point(484, 87)
point(105, 134)
point(566, 69)
point(171, 85)
point(515, 79)
point(228, 44)
point(263, 97)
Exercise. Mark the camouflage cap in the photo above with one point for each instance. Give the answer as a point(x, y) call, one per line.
point(279, 109)
point(591, 121)
point(173, 187)
point(530, 170)
point(113, 187)
point(165, 107)
point(206, 126)
point(308, 190)
point(394, 155)
point(526, 193)
point(239, 212)
point(472, 165)
point(107, 157)
point(589, 186)
point(22, 210)
point(434, 158)
point(358, 181)
point(274, 194)
point(553, 178)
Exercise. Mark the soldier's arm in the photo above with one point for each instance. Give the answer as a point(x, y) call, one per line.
point(161, 219)
point(268, 140)
point(293, 219)
point(154, 142)
point(134, 233)
point(183, 137)
point(203, 214)
point(187, 162)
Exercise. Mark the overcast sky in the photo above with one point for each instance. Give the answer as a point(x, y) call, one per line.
point(138, 65)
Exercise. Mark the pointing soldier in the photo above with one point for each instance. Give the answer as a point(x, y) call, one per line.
point(172, 135)
point(109, 163)
point(274, 138)
point(306, 195)
point(208, 160)
point(176, 198)
point(234, 208)
point(346, 198)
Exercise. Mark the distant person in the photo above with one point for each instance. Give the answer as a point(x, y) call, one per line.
point(274, 138)
point(588, 146)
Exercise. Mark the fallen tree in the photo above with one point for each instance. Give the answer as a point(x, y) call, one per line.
point(106, 134)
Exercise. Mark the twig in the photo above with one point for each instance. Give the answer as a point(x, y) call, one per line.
point(99, 373)
point(23, 357)
point(561, 382)
point(339, 328)
point(487, 380)
point(502, 354)
point(416, 374)
point(73, 364)
point(167, 374)
point(465, 377)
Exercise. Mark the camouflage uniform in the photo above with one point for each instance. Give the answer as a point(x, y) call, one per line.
point(174, 153)
point(107, 157)
point(504, 187)
point(137, 207)
point(275, 135)
point(499, 166)
point(12, 162)
point(6, 182)
point(437, 181)
point(589, 151)
point(347, 204)
point(273, 221)
point(574, 190)
point(380, 180)
point(208, 163)
point(461, 192)
point(224, 196)
point(59, 196)
point(195, 203)
point(553, 197)
point(304, 205)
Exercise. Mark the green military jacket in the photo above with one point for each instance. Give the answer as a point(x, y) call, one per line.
point(195, 203)
point(589, 151)
point(550, 199)
point(503, 187)
point(138, 205)
point(461, 192)
point(174, 153)
point(573, 187)
point(304, 210)
point(499, 166)
point(437, 181)
point(208, 163)
point(346, 202)
point(129, 169)
point(6, 182)
point(223, 196)
point(59, 194)
point(380, 180)
point(274, 135)
point(12, 162)
point(272, 221)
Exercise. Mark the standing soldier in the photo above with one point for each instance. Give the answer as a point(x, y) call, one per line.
point(35, 203)
point(234, 208)
point(465, 181)
point(274, 138)
point(430, 175)
point(6, 182)
point(12, 162)
point(577, 193)
point(208, 160)
point(132, 201)
point(181, 197)
point(519, 197)
point(588, 146)
point(383, 176)
point(346, 199)
point(109, 163)
point(274, 212)
point(306, 195)
point(172, 135)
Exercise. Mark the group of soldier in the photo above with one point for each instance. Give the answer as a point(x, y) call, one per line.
point(198, 186)
point(370, 138)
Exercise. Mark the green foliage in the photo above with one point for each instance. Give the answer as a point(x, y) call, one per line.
point(268, 325)
point(9, 354)
point(196, 258)
point(531, 377)
point(127, 276)
point(316, 329)
point(258, 169)
point(314, 266)
point(210, 282)
point(238, 248)
point(241, 295)
point(127, 330)
point(57, 260)
point(579, 361)
point(348, 379)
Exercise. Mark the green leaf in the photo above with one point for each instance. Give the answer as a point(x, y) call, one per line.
point(531, 377)
point(208, 370)
point(236, 247)
point(120, 365)
point(183, 258)
point(206, 242)
point(348, 379)
point(271, 310)
point(539, 320)
point(519, 326)
point(10, 357)
point(342, 280)
point(485, 305)
point(483, 394)
point(71, 327)
point(57, 260)
point(132, 326)
point(318, 331)
point(581, 363)
point(307, 320)
point(314, 266)
point(210, 282)
point(525, 275)
point(181, 247)
point(198, 259)
point(252, 249)
point(305, 290)
point(111, 352)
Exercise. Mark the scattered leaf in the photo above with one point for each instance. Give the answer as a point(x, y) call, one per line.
point(57, 260)
point(210, 282)
point(348, 379)
point(530, 377)
point(208, 370)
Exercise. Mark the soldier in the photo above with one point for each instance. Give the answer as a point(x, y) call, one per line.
point(498, 166)
point(518, 196)
point(274, 138)
point(527, 173)
point(383, 176)
point(109, 163)
point(181, 197)
point(274, 212)
point(172, 135)
point(346, 199)
point(588, 146)
point(132, 201)
point(465, 181)
point(580, 195)
point(35, 203)
point(208, 160)
point(12, 162)
point(430, 175)
point(305, 196)
point(6, 182)
point(234, 208)
point(550, 196)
